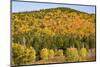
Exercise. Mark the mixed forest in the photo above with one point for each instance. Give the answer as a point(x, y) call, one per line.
point(54, 35)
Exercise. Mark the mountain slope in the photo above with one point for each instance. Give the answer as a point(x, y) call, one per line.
point(54, 22)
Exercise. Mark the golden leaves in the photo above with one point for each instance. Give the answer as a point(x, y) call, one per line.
point(24, 29)
point(56, 22)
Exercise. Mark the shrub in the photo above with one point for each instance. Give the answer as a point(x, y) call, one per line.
point(22, 54)
point(59, 52)
point(44, 54)
point(92, 54)
point(83, 54)
point(51, 53)
point(72, 54)
point(94, 51)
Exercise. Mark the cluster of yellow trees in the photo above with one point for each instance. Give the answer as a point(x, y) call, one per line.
point(22, 55)
point(55, 29)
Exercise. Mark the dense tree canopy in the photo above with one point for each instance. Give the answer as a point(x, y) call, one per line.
point(55, 28)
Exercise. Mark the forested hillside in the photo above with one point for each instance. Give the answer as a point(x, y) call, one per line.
point(57, 30)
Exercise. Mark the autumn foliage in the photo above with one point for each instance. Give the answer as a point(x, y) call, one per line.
point(52, 31)
point(22, 55)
